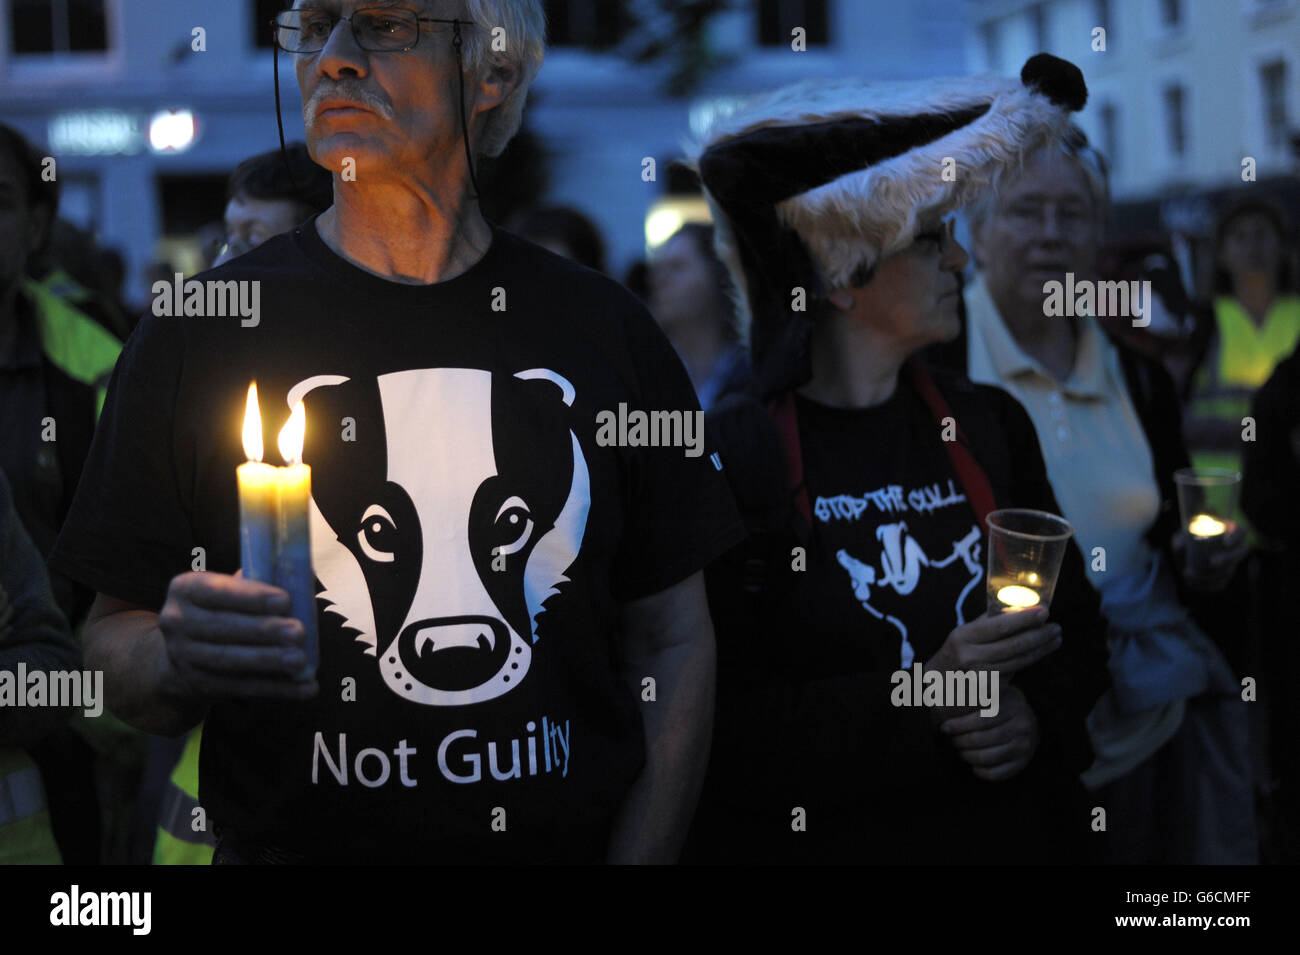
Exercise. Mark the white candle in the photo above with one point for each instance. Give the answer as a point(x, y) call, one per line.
point(1203, 525)
point(1017, 596)
point(293, 570)
point(258, 492)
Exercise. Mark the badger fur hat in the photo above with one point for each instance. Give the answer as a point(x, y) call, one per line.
point(811, 186)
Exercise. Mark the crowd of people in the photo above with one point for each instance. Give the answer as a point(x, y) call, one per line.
point(537, 646)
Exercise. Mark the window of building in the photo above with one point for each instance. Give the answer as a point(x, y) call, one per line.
point(1109, 116)
point(1272, 77)
point(1171, 13)
point(1176, 120)
point(264, 12)
point(776, 18)
point(58, 26)
point(989, 39)
point(594, 24)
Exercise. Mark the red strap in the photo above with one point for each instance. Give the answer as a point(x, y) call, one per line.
point(787, 427)
point(979, 493)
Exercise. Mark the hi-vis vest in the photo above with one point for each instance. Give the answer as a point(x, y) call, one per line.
point(178, 843)
point(1243, 358)
point(25, 834)
point(78, 345)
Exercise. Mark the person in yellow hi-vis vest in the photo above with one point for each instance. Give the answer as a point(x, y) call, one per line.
point(184, 837)
point(78, 345)
point(1256, 325)
point(33, 636)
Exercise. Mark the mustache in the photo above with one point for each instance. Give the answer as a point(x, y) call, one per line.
point(351, 92)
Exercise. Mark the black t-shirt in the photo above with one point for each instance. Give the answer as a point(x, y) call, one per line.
point(812, 761)
point(896, 549)
point(440, 429)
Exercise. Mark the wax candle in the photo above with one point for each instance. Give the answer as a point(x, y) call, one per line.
point(293, 570)
point(1017, 597)
point(258, 489)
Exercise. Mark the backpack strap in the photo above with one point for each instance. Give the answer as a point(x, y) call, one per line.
point(979, 492)
point(781, 408)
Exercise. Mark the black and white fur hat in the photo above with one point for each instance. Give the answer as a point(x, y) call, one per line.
point(811, 186)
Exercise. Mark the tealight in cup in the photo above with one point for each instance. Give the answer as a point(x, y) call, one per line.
point(1026, 548)
point(1207, 503)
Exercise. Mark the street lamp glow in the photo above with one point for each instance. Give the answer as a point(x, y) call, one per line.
point(172, 131)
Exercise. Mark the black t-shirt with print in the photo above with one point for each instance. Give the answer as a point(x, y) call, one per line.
point(896, 547)
point(446, 423)
point(812, 761)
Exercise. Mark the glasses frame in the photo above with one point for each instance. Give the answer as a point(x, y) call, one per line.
point(276, 27)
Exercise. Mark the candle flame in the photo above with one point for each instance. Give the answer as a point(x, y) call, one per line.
point(1017, 596)
point(292, 435)
point(1203, 525)
point(252, 426)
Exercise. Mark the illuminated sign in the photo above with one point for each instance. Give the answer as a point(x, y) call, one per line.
point(105, 132)
point(113, 132)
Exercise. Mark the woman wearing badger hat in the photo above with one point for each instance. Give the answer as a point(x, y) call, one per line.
point(866, 550)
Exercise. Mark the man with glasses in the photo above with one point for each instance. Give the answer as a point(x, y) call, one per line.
point(496, 577)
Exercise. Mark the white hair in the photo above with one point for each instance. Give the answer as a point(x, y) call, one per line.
point(524, 37)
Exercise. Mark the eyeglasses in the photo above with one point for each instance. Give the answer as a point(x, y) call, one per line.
point(376, 29)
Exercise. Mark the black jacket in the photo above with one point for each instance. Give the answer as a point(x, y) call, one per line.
point(878, 783)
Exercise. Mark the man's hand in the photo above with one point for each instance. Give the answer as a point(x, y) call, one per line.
point(1220, 562)
point(996, 747)
point(225, 640)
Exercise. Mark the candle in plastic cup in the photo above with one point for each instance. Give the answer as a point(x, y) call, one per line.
point(1207, 503)
point(1026, 548)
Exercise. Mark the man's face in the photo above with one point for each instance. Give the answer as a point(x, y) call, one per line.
point(19, 229)
point(250, 222)
point(913, 296)
point(680, 282)
point(387, 111)
point(1043, 225)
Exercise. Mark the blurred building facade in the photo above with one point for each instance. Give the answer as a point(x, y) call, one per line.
point(147, 104)
point(1184, 95)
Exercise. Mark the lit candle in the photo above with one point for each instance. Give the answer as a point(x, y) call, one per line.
point(1017, 597)
point(258, 484)
point(293, 569)
point(1203, 525)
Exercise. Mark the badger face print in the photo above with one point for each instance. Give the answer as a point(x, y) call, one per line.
point(434, 538)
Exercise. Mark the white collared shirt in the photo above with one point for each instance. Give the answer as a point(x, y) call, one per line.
point(1097, 456)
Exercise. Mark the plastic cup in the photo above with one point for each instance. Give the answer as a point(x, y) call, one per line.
point(1026, 548)
point(1207, 503)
